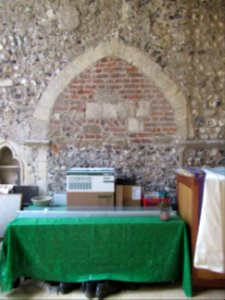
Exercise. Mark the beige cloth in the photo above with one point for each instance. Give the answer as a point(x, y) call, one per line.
point(210, 244)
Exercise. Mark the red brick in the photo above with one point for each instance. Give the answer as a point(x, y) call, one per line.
point(114, 75)
point(132, 97)
point(85, 91)
point(131, 69)
point(117, 75)
point(102, 75)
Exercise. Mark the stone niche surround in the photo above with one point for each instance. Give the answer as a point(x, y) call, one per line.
point(31, 163)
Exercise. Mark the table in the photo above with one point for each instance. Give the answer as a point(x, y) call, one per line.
point(78, 249)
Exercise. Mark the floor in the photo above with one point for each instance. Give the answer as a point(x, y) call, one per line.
point(38, 290)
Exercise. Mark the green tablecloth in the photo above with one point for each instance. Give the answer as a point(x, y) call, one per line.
point(137, 249)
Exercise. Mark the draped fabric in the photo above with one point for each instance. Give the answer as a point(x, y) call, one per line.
point(129, 248)
point(210, 244)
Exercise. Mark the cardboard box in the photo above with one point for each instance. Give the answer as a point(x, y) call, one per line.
point(93, 199)
point(90, 180)
point(131, 195)
point(90, 187)
point(127, 195)
point(119, 195)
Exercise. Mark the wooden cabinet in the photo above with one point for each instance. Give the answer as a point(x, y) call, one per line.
point(188, 197)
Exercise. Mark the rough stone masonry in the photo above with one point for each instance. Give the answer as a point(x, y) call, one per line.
point(50, 123)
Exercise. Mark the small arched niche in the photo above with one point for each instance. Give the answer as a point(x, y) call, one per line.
point(10, 166)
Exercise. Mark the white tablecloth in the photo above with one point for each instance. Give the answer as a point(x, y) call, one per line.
point(210, 245)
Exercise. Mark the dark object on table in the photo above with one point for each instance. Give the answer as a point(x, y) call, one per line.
point(27, 191)
point(126, 180)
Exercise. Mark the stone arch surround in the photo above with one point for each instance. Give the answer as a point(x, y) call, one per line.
point(113, 105)
point(15, 155)
point(117, 49)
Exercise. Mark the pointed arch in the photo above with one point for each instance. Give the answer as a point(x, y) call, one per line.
point(133, 56)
